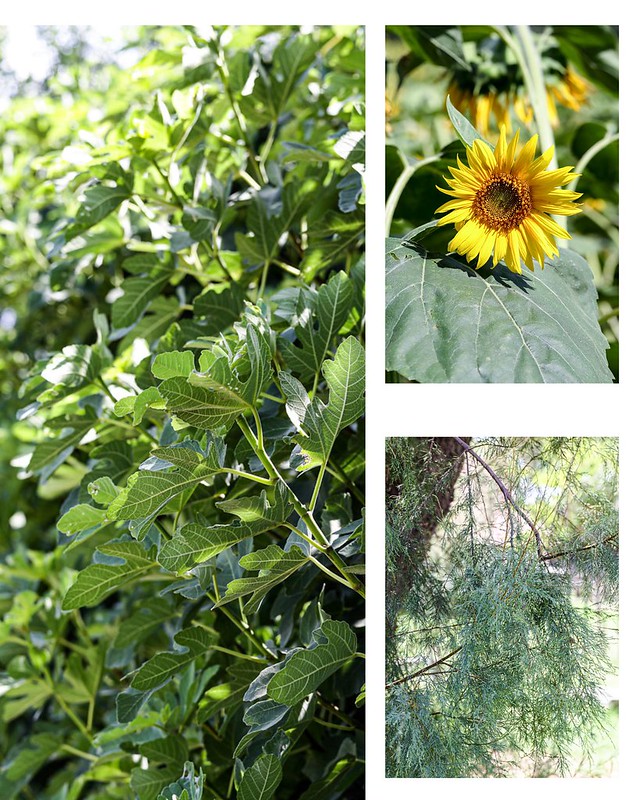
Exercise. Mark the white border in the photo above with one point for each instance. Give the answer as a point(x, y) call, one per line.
point(456, 409)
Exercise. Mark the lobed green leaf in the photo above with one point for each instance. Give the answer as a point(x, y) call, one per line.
point(98, 581)
point(307, 669)
point(320, 424)
point(261, 780)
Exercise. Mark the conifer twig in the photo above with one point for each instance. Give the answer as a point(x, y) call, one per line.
point(549, 556)
point(423, 670)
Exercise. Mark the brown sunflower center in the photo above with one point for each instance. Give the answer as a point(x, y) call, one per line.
point(502, 203)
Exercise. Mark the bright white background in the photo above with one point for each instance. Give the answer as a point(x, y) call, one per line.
point(461, 410)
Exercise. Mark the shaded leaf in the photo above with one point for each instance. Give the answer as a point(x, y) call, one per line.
point(147, 783)
point(307, 669)
point(149, 491)
point(163, 666)
point(340, 778)
point(50, 453)
point(171, 750)
point(264, 715)
point(445, 322)
point(129, 703)
point(268, 224)
point(330, 238)
point(274, 565)
point(221, 305)
point(139, 291)
point(437, 44)
point(143, 621)
point(194, 543)
point(97, 202)
point(35, 752)
point(317, 325)
point(261, 780)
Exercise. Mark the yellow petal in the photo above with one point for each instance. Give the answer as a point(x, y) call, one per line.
point(526, 154)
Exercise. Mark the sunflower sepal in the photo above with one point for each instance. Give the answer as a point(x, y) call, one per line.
point(466, 132)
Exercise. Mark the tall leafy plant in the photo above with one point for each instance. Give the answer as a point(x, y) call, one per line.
point(190, 623)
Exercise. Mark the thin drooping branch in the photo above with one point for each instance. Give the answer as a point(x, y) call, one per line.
point(506, 494)
point(419, 672)
point(580, 549)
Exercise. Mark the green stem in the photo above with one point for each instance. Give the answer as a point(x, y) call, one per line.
point(133, 428)
point(288, 268)
point(214, 251)
point(80, 753)
point(246, 177)
point(334, 725)
point(167, 182)
point(237, 654)
point(249, 476)
point(534, 81)
point(333, 710)
point(220, 649)
point(398, 188)
point(328, 572)
point(243, 628)
point(160, 525)
point(302, 535)
point(90, 712)
point(70, 714)
point(99, 381)
point(590, 153)
point(273, 398)
point(266, 149)
point(256, 443)
point(338, 472)
point(316, 488)
point(223, 72)
point(263, 279)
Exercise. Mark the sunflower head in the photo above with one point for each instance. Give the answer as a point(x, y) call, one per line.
point(502, 201)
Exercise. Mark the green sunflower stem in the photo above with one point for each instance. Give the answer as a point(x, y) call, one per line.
point(399, 186)
point(606, 140)
point(528, 57)
point(534, 80)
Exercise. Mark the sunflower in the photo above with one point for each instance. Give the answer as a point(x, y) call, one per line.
point(502, 202)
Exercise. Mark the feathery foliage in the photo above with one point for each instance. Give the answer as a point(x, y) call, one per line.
point(498, 651)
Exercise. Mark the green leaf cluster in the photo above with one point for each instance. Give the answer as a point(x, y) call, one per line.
point(181, 568)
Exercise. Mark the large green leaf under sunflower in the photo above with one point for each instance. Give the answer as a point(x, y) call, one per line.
point(448, 323)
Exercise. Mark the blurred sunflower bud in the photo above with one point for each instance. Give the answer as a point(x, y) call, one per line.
point(492, 88)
